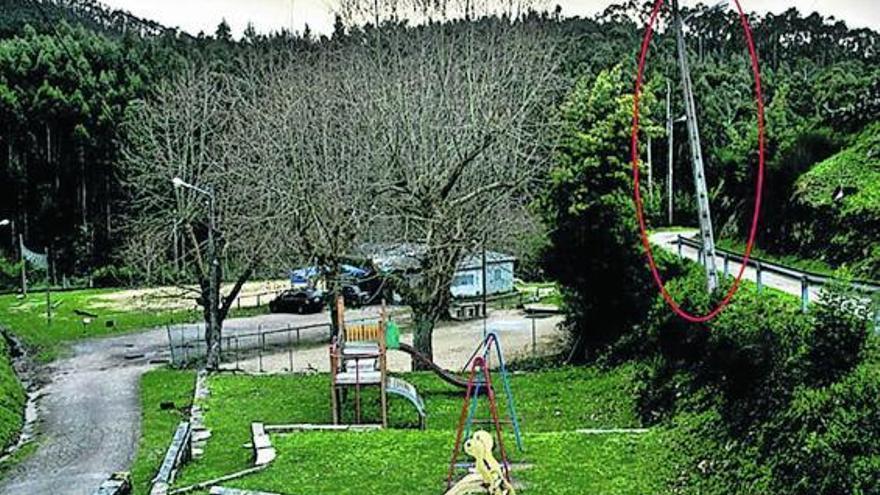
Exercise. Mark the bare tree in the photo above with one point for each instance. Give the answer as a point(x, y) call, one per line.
point(198, 127)
point(458, 119)
point(309, 160)
point(430, 137)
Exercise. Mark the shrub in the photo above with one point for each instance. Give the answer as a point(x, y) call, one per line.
point(748, 356)
point(828, 441)
point(113, 276)
point(841, 329)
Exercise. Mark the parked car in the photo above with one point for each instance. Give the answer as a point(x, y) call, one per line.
point(355, 296)
point(299, 301)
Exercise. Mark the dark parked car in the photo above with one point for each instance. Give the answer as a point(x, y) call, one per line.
point(354, 296)
point(298, 301)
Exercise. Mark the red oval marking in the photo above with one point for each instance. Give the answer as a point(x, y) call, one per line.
point(649, 30)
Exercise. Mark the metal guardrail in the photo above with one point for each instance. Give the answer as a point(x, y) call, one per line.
point(806, 278)
point(869, 286)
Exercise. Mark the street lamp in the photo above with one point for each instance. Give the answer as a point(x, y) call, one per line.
point(5, 222)
point(213, 275)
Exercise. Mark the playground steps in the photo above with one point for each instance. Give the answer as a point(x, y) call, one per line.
point(359, 378)
point(264, 452)
point(365, 369)
point(296, 428)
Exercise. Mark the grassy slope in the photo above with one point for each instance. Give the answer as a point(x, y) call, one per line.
point(846, 230)
point(158, 424)
point(12, 400)
point(551, 404)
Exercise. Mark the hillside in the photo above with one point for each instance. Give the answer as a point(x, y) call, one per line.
point(89, 14)
point(840, 197)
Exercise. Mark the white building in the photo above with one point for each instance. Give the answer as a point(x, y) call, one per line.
point(467, 282)
point(468, 279)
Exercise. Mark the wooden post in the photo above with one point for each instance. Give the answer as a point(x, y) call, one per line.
point(289, 350)
point(262, 341)
point(534, 338)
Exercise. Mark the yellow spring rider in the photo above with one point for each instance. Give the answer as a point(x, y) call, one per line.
point(489, 477)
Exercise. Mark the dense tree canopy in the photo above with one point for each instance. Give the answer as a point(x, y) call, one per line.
point(65, 87)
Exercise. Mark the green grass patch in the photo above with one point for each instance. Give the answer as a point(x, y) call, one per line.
point(548, 403)
point(548, 292)
point(413, 462)
point(166, 396)
point(12, 400)
point(26, 318)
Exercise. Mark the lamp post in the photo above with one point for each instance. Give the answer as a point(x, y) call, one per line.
point(214, 265)
point(702, 194)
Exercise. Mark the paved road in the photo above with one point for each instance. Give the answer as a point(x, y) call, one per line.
point(790, 284)
point(90, 411)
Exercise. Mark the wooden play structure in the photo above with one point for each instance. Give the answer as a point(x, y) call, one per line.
point(358, 359)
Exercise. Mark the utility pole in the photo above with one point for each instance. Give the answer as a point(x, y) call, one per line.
point(705, 217)
point(669, 139)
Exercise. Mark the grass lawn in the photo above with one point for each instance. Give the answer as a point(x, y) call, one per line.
point(166, 396)
point(551, 405)
point(26, 318)
point(549, 290)
point(12, 400)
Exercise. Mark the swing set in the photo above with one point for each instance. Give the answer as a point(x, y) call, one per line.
point(490, 477)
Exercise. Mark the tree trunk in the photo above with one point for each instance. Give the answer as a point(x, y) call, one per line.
point(213, 319)
point(423, 333)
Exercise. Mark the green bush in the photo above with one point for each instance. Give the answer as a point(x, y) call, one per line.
point(841, 330)
point(12, 399)
point(765, 398)
point(748, 357)
point(594, 249)
point(828, 441)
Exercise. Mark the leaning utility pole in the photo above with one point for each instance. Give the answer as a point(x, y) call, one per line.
point(705, 218)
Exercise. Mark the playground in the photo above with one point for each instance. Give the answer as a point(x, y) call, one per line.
point(362, 428)
point(552, 405)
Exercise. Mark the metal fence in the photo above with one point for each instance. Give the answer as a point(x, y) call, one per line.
point(187, 343)
point(809, 281)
